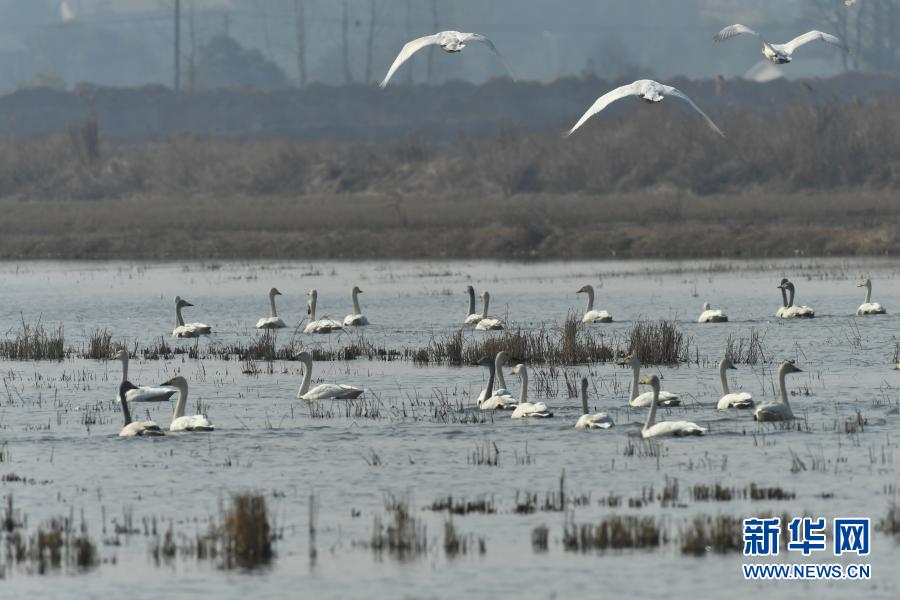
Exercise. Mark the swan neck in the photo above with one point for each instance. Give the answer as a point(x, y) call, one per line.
point(124, 366)
point(501, 383)
point(182, 388)
point(584, 402)
point(179, 321)
point(651, 416)
point(868, 292)
point(484, 310)
point(356, 310)
point(312, 309)
point(791, 292)
point(636, 371)
point(590, 302)
point(724, 377)
point(523, 375)
point(784, 301)
point(125, 412)
point(471, 302)
point(272, 312)
point(782, 387)
point(490, 384)
point(307, 376)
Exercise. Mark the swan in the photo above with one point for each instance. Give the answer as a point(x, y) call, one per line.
point(588, 421)
point(778, 411)
point(473, 317)
point(649, 90)
point(493, 401)
point(780, 53)
point(711, 316)
point(487, 323)
point(140, 428)
point(499, 362)
point(191, 329)
point(141, 393)
point(357, 318)
point(273, 321)
point(325, 325)
point(591, 315)
point(449, 41)
point(868, 307)
point(527, 409)
point(665, 428)
point(179, 421)
point(789, 311)
point(325, 391)
point(729, 400)
point(640, 400)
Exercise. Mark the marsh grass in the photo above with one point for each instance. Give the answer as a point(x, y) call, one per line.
point(247, 533)
point(749, 350)
point(614, 532)
point(463, 506)
point(456, 544)
point(485, 454)
point(890, 524)
point(100, 345)
point(34, 342)
point(540, 537)
point(658, 343)
point(404, 537)
point(720, 534)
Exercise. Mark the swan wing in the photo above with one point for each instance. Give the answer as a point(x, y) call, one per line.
point(594, 421)
point(408, 50)
point(489, 324)
point(773, 411)
point(355, 320)
point(733, 30)
point(737, 400)
point(605, 100)
point(477, 37)
point(191, 423)
point(811, 36)
point(149, 394)
point(332, 391)
point(472, 319)
point(529, 409)
point(201, 327)
point(673, 428)
point(597, 316)
point(672, 91)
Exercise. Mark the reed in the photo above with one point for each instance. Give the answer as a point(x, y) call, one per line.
point(99, 345)
point(719, 534)
point(34, 342)
point(247, 533)
point(749, 350)
point(404, 537)
point(658, 343)
point(614, 532)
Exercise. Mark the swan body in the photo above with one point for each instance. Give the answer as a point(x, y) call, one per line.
point(357, 319)
point(665, 428)
point(591, 315)
point(788, 310)
point(180, 422)
point(778, 411)
point(187, 330)
point(490, 400)
point(141, 393)
point(711, 316)
point(472, 317)
point(272, 321)
point(591, 421)
point(325, 391)
point(868, 307)
point(642, 400)
point(486, 323)
point(139, 428)
point(526, 409)
point(780, 53)
point(646, 89)
point(729, 400)
point(499, 362)
point(324, 325)
point(449, 41)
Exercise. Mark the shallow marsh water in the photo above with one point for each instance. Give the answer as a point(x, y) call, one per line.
point(268, 441)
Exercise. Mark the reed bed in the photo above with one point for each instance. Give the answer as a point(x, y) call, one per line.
point(404, 537)
point(720, 534)
point(34, 342)
point(658, 343)
point(247, 534)
point(613, 533)
point(749, 350)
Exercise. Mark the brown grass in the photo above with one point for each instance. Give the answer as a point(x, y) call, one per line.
point(247, 533)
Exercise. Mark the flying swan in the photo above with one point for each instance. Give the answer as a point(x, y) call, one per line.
point(638, 401)
point(140, 428)
point(591, 315)
point(649, 90)
point(180, 422)
point(493, 401)
point(273, 321)
point(325, 391)
point(141, 393)
point(788, 310)
point(499, 362)
point(449, 41)
point(325, 325)
point(487, 323)
point(711, 316)
point(665, 428)
point(526, 409)
point(780, 53)
point(191, 329)
point(778, 411)
point(588, 421)
point(729, 400)
point(472, 317)
point(357, 318)
point(868, 307)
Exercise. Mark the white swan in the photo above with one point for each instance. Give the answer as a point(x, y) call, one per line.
point(180, 422)
point(140, 428)
point(449, 41)
point(711, 316)
point(487, 323)
point(778, 411)
point(273, 321)
point(493, 401)
point(665, 428)
point(788, 310)
point(868, 307)
point(526, 409)
point(357, 318)
point(780, 53)
point(641, 400)
point(499, 362)
point(473, 317)
point(189, 330)
point(649, 90)
point(591, 315)
point(325, 391)
point(729, 400)
point(141, 393)
point(588, 421)
point(325, 325)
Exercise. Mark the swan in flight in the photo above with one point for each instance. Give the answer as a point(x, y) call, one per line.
point(325, 325)
point(778, 411)
point(526, 409)
point(325, 391)
point(140, 428)
point(357, 318)
point(647, 89)
point(449, 41)
point(788, 310)
point(711, 316)
point(473, 317)
point(665, 428)
point(868, 307)
point(729, 400)
point(189, 330)
point(493, 401)
point(591, 315)
point(588, 421)
point(780, 53)
point(179, 421)
point(499, 362)
point(641, 400)
point(273, 321)
point(141, 393)
point(487, 323)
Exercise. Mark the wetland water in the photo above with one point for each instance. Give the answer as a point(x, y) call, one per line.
point(59, 424)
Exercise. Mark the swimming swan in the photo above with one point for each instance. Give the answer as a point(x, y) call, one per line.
point(647, 89)
point(141, 428)
point(789, 311)
point(641, 400)
point(325, 325)
point(487, 323)
point(711, 316)
point(473, 317)
point(588, 421)
point(179, 421)
point(325, 391)
point(357, 318)
point(665, 428)
point(191, 329)
point(272, 321)
point(591, 315)
point(526, 409)
point(778, 411)
point(499, 362)
point(141, 393)
point(493, 401)
point(780, 53)
point(868, 307)
point(729, 400)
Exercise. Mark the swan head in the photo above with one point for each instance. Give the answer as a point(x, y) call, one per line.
point(313, 293)
point(274, 292)
point(706, 306)
point(585, 289)
point(356, 290)
point(177, 382)
point(726, 363)
point(484, 295)
point(651, 380)
point(518, 369)
point(181, 302)
point(470, 290)
point(629, 360)
point(788, 366)
point(125, 387)
point(304, 357)
point(784, 284)
point(486, 361)
point(864, 283)
point(121, 355)
point(502, 358)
